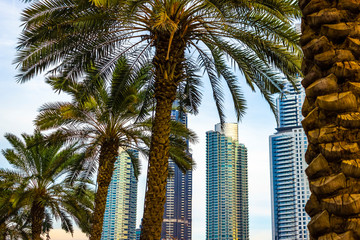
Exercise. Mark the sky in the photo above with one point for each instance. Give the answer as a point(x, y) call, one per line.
point(19, 104)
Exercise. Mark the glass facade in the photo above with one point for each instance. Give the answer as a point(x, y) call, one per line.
point(177, 214)
point(227, 215)
point(289, 185)
point(138, 232)
point(120, 212)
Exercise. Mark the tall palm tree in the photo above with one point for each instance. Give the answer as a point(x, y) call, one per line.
point(331, 46)
point(36, 185)
point(105, 118)
point(255, 37)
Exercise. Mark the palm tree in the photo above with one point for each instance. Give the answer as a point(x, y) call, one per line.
point(14, 221)
point(36, 186)
point(16, 227)
point(330, 42)
point(180, 36)
point(105, 118)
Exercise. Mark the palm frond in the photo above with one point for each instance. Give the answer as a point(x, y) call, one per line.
point(208, 64)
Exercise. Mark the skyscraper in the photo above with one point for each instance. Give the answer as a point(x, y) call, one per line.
point(177, 213)
point(289, 185)
point(227, 214)
point(138, 232)
point(120, 212)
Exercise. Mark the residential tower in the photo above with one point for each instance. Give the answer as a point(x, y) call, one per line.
point(120, 212)
point(227, 214)
point(289, 185)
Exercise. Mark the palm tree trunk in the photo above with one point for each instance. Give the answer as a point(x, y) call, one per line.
point(331, 46)
point(168, 74)
point(37, 216)
point(108, 153)
point(2, 231)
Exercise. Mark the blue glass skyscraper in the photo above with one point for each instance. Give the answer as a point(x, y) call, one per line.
point(177, 213)
point(227, 214)
point(120, 212)
point(289, 185)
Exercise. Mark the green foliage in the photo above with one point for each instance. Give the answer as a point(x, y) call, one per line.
point(37, 176)
point(255, 37)
point(17, 227)
point(117, 110)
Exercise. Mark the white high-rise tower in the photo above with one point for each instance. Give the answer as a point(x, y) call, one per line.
point(289, 185)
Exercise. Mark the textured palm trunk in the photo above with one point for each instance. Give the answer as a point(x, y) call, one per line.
point(108, 153)
point(37, 216)
point(331, 46)
point(168, 73)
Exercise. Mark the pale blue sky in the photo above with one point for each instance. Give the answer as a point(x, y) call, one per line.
point(19, 104)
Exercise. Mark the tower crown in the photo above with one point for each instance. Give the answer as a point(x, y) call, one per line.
point(229, 130)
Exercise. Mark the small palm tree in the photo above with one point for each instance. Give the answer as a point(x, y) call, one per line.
point(36, 186)
point(178, 35)
point(14, 221)
point(16, 227)
point(105, 118)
